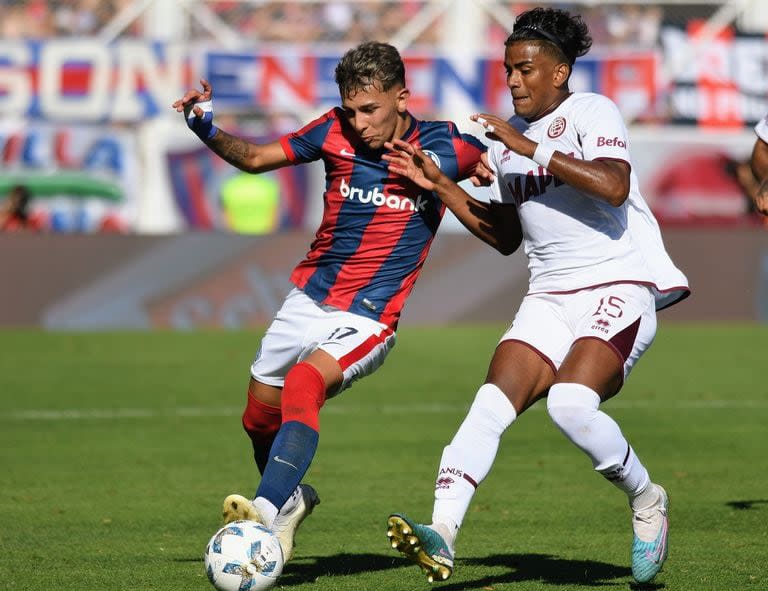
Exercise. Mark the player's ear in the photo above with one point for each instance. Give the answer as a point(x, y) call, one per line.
point(560, 74)
point(401, 100)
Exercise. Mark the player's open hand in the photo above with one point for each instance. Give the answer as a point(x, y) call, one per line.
point(409, 161)
point(499, 130)
point(193, 96)
point(197, 107)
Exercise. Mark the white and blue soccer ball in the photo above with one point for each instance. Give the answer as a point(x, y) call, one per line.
point(243, 556)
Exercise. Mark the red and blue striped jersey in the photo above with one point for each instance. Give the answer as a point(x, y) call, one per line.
point(376, 228)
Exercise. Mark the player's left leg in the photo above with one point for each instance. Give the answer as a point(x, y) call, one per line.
point(517, 376)
point(613, 338)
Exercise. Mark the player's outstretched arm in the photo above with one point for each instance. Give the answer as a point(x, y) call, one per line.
point(497, 225)
point(607, 180)
point(197, 107)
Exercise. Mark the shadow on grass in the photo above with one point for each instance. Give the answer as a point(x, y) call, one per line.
point(522, 567)
point(744, 505)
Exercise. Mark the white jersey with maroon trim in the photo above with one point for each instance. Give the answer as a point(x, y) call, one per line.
point(574, 241)
point(761, 129)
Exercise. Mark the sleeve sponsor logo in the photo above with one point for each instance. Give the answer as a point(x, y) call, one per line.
point(611, 142)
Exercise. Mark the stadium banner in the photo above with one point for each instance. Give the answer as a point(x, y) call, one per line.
point(715, 81)
point(132, 80)
point(719, 82)
point(81, 178)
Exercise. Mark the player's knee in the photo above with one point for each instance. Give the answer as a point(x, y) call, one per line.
point(491, 410)
point(260, 419)
point(572, 408)
point(303, 395)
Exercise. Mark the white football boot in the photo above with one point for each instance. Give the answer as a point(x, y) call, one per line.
point(293, 512)
point(649, 543)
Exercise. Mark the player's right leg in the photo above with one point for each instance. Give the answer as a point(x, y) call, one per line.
point(423, 545)
point(466, 461)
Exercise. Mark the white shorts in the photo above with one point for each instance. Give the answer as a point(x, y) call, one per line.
point(302, 326)
point(622, 314)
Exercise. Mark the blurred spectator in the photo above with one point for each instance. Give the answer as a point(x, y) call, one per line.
point(758, 168)
point(742, 173)
point(633, 25)
point(700, 188)
point(14, 211)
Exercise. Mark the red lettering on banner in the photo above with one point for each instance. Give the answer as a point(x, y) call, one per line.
point(630, 81)
point(62, 149)
point(418, 70)
point(720, 104)
point(496, 90)
point(276, 78)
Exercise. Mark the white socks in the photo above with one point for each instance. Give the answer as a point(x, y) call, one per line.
point(574, 409)
point(266, 509)
point(269, 512)
point(467, 460)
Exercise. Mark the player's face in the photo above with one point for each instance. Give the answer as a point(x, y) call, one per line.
point(538, 82)
point(377, 116)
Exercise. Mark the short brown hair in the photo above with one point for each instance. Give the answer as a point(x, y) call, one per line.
point(370, 64)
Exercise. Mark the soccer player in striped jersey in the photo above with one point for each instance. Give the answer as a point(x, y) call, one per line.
point(338, 323)
point(566, 191)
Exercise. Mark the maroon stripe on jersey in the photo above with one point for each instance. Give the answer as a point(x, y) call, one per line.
point(365, 347)
point(469, 479)
point(595, 285)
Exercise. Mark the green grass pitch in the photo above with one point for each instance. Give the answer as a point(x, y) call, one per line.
point(116, 451)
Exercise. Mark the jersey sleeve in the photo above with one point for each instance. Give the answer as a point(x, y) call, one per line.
point(305, 145)
point(761, 129)
point(601, 130)
point(498, 190)
point(468, 151)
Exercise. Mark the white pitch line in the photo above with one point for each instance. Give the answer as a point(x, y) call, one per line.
point(423, 409)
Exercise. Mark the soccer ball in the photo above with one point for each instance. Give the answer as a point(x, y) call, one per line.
point(243, 556)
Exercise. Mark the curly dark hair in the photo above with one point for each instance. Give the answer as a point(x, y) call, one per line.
point(370, 63)
point(558, 29)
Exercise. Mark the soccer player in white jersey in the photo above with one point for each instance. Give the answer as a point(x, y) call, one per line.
point(759, 164)
point(566, 190)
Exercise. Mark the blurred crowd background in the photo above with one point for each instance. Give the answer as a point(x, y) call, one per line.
point(87, 132)
point(634, 24)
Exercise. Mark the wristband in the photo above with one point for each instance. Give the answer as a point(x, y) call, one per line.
point(203, 127)
point(543, 155)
